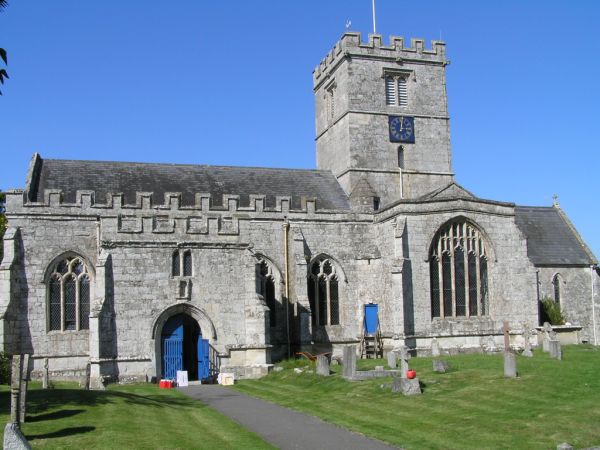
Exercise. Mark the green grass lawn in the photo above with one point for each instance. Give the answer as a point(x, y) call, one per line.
point(472, 406)
point(139, 416)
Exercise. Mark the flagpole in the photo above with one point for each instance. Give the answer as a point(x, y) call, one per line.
point(374, 27)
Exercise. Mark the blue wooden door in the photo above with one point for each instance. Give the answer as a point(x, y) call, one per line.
point(172, 337)
point(371, 319)
point(203, 358)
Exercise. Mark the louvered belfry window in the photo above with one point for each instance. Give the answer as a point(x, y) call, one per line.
point(458, 270)
point(323, 292)
point(69, 295)
point(396, 92)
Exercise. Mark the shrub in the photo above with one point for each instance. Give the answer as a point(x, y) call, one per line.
point(5, 361)
point(552, 312)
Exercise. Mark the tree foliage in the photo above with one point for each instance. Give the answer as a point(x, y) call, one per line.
point(3, 56)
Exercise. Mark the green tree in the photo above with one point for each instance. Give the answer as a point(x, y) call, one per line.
point(3, 57)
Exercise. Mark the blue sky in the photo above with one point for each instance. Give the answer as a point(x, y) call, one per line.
point(229, 83)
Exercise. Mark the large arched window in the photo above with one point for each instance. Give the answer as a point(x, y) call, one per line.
point(69, 295)
point(323, 293)
point(458, 272)
point(266, 280)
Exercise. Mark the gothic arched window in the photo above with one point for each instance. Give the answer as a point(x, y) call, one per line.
point(458, 272)
point(556, 288)
point(267, 290)
point(323, 293)
point(69, 295)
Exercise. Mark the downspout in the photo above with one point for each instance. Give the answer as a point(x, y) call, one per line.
point(593, 306)
point(286, 229)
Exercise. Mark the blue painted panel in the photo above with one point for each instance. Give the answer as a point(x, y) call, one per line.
point(203, 358)
point(371, 319)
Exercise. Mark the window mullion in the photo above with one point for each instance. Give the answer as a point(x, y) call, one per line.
point(317, 300)
point(328, 303)
point(452, 274)
point(441, 277)
point(478, 276)
point(62, 303)
point(77, 303)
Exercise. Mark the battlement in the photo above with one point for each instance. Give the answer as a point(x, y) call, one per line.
point(351, 45)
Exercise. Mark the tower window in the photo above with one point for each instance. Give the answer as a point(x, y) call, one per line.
point(330, 98)
point(182, 263)
point(396, 92)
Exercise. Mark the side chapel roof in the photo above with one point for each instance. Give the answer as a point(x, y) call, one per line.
point(551, 238)
point(106, 177)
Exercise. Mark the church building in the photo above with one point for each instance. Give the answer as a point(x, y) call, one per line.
point(131, 271)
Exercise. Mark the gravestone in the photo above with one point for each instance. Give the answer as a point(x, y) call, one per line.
point(440, 366)
point(406, 386)
point(45, 375)
point(505, 331)
point(13, 438)
point(391, 359)
point(510, 365)
point(554, 349)
point(349, 361)
point(23, 387)
point(322, 365)
point(404, 357)
point(549, 335)
point(527, 346)
point(435, 348)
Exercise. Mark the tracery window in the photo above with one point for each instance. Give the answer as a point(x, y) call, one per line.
point(556, 288)
point(267, 290)
point(323, 292)
point(458, 269)
point(69, 295)
point(182, 263)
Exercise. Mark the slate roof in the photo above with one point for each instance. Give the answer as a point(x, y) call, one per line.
point(105, 177)
point(551, 239)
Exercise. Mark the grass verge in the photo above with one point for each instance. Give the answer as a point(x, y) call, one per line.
point(139, 416)
point(471, 407)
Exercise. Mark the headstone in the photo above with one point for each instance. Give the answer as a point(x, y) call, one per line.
point(84, 382)
point(23, 387)
point(554, 349)
point(549, 335)
point(435, 348)
point(527, 346)
point(391, 359)
point(379, 369)
point(349, 361)
point(505, 330)
point(15, 386)
point(404, 357)
point(510, 365)
point(14, 439)
point(406, 386)
point(322, 365)
point(45, 377)
point(440, 366)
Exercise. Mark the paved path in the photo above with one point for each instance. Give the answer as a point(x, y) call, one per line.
point(280, 426)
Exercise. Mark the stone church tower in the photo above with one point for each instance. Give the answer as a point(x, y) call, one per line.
point(382, 118)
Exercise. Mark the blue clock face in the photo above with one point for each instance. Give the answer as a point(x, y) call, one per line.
point(402, 129)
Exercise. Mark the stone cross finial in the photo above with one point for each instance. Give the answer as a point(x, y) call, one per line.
point(505, 330)
point(555, 200)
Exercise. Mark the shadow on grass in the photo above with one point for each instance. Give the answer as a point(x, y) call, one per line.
point(54, 415)
point(60, 433)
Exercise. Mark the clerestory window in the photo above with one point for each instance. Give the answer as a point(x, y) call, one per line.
point(69, 295)
point(323, 293)
point(458, 269)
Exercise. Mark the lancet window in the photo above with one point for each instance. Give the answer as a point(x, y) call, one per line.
point(323, 292)
point(182, 263)
point(267, 290)
point(458, 268)
point(556, 288)
point(69, 295)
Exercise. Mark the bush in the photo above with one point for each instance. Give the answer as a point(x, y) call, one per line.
point(552, 312)
point(5, 361)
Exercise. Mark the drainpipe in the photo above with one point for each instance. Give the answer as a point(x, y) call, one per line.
point(592, 269)
point(286, 229)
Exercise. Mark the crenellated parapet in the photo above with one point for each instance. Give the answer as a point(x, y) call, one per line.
point(351, 46)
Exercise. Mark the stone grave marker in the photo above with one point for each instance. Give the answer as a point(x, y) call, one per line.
point(505, 330)
point(435, 348)
point(23, 387)
point(555, 349)
point(391, 359)
point(349, 361)
point(322, 365)
point(549, 335)
point(404, 357)
point(440, 366)
point(13, 438)
point(527, 346)
point(510, 365)
point(406, 386)
point(45, 375)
